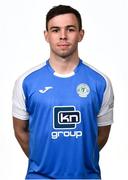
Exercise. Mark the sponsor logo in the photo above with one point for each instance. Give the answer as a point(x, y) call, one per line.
point(83, 90)
point(66, 118)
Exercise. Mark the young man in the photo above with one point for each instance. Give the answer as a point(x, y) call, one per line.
point(63, 109)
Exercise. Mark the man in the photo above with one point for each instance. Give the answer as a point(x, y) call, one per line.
point(63, 109)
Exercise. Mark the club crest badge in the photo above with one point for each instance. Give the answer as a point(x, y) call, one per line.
point(83, 90)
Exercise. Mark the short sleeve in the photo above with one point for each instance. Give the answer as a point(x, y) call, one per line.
point(105, 116)
point(18, 101)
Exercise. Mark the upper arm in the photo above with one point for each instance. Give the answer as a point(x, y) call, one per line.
point(105, 116)
point(21, 131)
point(20, 126)
point(103, 131)
point(103, 134)
point(19, 110)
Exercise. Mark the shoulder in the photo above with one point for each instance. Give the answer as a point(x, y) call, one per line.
point(29, 74)
point(95, 75)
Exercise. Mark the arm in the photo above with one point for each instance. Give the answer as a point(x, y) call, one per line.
point(105, 116)
point(22, 133)
point(103, 134)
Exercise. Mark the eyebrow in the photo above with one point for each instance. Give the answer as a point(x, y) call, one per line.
point(68, 26)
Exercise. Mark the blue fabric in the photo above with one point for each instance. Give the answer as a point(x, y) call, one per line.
point(63, 123)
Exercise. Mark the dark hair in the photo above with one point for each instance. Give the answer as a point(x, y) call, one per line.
point(63, 9)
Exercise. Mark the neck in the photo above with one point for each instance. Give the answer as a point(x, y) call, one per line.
point(64, 65)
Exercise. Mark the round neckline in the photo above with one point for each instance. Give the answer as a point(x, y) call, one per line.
point(63, 75)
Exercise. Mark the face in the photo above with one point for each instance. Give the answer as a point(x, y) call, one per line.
point(63, 35)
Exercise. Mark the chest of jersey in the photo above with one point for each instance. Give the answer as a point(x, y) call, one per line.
point(62, 103)
point(74, 91)
point(63, 118)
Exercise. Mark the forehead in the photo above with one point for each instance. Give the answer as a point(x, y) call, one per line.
point(63, 20)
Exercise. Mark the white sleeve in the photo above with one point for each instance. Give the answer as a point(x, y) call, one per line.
point(105, 116)
point(18, 101)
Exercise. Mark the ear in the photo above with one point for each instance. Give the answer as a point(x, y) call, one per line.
point(81, 35)
point(46, 35)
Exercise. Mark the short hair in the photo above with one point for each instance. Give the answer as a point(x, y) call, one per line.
point(63, 9)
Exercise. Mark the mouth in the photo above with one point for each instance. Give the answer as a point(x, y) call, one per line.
point(63, 45)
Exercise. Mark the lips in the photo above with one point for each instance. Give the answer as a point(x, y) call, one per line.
point(63, 44)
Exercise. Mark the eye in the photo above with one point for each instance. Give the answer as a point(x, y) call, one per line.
point(71, 30)
point(55, 30)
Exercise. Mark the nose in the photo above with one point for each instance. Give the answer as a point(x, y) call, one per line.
point(63, 35)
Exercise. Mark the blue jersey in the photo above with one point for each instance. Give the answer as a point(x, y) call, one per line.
point(64, 112)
